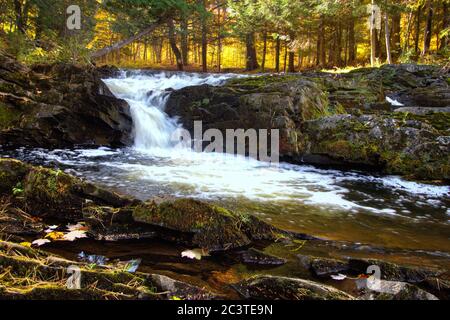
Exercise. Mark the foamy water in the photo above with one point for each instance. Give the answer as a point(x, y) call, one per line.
point(153, 165)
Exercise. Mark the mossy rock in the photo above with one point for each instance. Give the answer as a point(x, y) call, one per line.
point(393, 145)
point(394, 272)
point(282, 288)
point(9, 117)
point(12, 173)
point(212, 227)
point(53, 193)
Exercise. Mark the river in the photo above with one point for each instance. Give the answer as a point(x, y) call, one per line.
point(354, 206)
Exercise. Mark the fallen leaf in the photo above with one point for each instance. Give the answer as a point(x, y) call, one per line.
point(77, 227)
point(339, 277)
point(74, 235)
point(40, 242)
point(25, 244)
point(195, 254)
point(51, 229)
point(54, 235)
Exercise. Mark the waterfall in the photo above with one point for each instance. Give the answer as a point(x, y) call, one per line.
point(147, 96)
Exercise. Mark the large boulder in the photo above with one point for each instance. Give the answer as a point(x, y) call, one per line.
point(268, 102)
point(52, 193)
point(281, 288)
point(396, 146)
point(207, 226)
point(61, 105)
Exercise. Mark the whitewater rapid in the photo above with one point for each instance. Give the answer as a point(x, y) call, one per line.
point(153, 166)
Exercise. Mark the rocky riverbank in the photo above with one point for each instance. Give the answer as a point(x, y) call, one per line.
point(342, 119)
point(35, 197)
point(59, 106)
point(324, 119)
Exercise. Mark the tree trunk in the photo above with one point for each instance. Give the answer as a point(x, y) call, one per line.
point(428, 28)
point(417, 35)
point(19, 16)
point(173, 45)
point(285, 56)
point(388, 38)
point(408, 32)
point(373, 38)
point(185, 41)
point(252, 62)
point(446, 24)
point(204, 40)
point(321, 50)
point(263, 62)
point(277, 54)
point(396, 35)
point(351, 42)
point(291, 61)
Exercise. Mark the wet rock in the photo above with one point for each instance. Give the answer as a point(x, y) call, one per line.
point(114, 224)
point(253, 256)
point(281, 288)
point(422, 111)
point(59, 105)
point(210, 227)
point(179, 290)
point(37, 275)
point(395, 146)
point(268, 102)
point(393, 272)
point(16, 223)
point(52, 193)
point(323, 267)
point(394, 290)
point(438, 287)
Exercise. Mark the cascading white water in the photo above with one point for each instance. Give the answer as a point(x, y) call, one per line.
point(147, 97)
point(218, 175)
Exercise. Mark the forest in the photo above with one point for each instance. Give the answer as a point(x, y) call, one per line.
point(270, 35)
point(233, 150)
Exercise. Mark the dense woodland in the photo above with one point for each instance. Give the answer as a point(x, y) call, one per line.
point(221, 35)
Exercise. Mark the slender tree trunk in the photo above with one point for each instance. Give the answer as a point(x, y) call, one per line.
point(252, 62)
point(373, 37)
point(173, 45)
point(428, 28)
point(204, 40)
point(285, 56)
point(291, 67)
point(277, 54)
point(19, 16)
point(263, 62)
point(322, 47)
point(219, 41)
point(396, 35)
point(417, 35)
point(338, 48)
point(351, 42)
point(185, 41)
point(388, 38)
point(446, 24)
point(408, 32)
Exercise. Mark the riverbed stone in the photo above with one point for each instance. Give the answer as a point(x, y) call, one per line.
point(323, 267)
point(212, 227)
point(394, 272)
point(282, 288)
point(257, 257)
point(396, 290)
point(59, 105)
